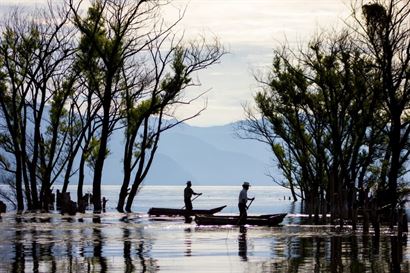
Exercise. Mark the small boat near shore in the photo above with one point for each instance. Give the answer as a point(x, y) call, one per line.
point(183, 212)
point(259, 220)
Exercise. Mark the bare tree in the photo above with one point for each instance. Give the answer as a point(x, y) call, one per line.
point(128, 42)
point(36, 52)
point(151, 115)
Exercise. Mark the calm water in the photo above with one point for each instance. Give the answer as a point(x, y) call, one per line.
point(114, 242)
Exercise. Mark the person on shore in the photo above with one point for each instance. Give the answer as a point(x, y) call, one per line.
point(243, 199)
point(188, 192)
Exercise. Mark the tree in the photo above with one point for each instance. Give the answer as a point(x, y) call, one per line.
point(109, 39)
point(61, 99)
point(33, 56)
point(319, 116)
point(146, 121)
point(125, 39)
point(336, 114)
point(385, 33)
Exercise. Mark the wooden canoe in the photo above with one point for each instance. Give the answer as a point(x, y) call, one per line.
point(183, 212)
point(261, 220)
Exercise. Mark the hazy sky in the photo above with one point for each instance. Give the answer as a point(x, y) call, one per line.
point(249, 30)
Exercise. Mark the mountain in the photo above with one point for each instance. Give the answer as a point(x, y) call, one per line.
point(205, 155)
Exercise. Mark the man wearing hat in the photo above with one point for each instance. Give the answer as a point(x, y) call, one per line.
point(243, 199)
point(188, 192)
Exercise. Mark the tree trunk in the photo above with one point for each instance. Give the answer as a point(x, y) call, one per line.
point(105, 129)
point(80, 183)
point(68, 173)
point(128, 154)
point(132, 194)
point(395, 139)
point(19, 186)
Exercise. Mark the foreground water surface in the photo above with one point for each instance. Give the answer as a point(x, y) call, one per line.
point(134, 242)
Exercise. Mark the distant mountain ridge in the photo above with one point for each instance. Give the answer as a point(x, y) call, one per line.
point(205, 155)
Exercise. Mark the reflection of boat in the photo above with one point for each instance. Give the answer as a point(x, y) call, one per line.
point(260, 220)
point(183, 212)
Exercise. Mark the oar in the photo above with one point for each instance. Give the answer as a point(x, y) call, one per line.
point(247, 207)
point(193, 199)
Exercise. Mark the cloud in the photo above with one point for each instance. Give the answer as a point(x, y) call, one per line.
point(249, 30)
point(256, 21)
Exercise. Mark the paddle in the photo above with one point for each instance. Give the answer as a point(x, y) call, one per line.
point(247, 207)
point(193, 199)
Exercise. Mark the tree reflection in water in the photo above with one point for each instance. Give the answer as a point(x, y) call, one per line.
point(107, 243)
point(19, 259)
point(129, 266)
point(67, 244)
point(340, 253)
point(98, 245)
point(137, 248)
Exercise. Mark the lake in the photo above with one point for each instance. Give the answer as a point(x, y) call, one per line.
point(134, 242)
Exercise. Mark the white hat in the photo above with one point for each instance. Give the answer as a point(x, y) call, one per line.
point(245, 184)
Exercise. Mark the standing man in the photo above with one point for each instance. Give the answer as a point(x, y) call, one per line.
point(243, 199)
point(188, 192)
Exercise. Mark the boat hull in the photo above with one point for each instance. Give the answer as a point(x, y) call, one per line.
point(262, 220)
point(182, 212)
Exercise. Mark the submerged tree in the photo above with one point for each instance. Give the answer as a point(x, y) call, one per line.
point(124, 40)
point(385, 33)
point(335, 115)
point(146, 121)
point(34, 56)
point(104, 41)
point(318, 116)
point(67, 81)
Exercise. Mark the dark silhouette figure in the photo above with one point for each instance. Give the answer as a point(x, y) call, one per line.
point(188, 192)
point(104, 203)
point(243, 199)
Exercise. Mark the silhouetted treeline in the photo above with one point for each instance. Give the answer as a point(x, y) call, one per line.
point(335, 115)
point(71, 75)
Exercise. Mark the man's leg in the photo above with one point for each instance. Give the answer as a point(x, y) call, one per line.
point(242, 214)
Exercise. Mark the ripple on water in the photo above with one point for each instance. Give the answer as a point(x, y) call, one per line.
point(115, 242)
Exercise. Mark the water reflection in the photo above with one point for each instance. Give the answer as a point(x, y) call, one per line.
point(19, 259)
point(129, 266)
point(188, 242)
point(118, 243)
point(98, 246)
point(60, 244)
point(242, 244)
point(339, 254)
point(137, 247)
